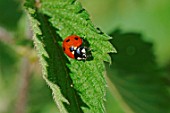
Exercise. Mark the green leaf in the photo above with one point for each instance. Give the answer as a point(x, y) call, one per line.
point(136, 77)
point(81, 88)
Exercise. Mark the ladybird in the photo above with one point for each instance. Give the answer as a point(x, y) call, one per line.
point(73, 47)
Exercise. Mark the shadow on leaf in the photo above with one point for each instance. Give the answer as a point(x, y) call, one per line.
point(136, 75)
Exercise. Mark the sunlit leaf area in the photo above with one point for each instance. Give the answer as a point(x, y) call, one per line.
point(128, 70)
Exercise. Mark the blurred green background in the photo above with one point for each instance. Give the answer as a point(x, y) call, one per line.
point(138, 79)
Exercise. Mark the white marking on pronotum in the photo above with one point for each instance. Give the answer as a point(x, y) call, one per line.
point(78, 58)
point(75, 48)
point(83, 50)
point(72, 52)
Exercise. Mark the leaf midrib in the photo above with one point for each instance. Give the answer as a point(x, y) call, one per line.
point(44, 20)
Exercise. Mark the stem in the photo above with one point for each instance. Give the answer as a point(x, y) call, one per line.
point(26, 71)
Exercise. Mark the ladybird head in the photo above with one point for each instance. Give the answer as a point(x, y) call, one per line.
point(79, 52)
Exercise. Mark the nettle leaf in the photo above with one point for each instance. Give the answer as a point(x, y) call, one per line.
point(136, 77)
point(81, 88)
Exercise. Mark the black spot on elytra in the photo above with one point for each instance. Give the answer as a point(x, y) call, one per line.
point(64, 48)
point(76, 38)
point(67, 40)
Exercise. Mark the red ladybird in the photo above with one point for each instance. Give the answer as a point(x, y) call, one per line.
point(72, 46)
